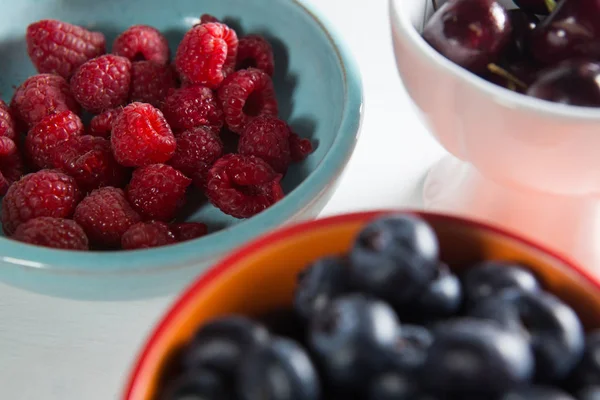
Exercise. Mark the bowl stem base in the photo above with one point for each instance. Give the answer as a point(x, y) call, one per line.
point(567, 224)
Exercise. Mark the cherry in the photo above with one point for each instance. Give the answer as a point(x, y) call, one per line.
point(572, 82)
point(471, 33)
point(539, 7)
point(516, 76)
point(523, 23)
point(572, 30)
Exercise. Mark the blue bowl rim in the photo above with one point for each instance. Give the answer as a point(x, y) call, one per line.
point(212, 246)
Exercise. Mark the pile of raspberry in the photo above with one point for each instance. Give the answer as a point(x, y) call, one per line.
point(155, 135)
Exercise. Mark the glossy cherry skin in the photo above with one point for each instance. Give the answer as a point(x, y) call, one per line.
point(571, 31)
point(471, 33)
point(538, 7)
point(571, 82)
point(523, 24)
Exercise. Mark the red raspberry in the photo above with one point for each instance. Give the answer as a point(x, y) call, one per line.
point(43, 138)
point(59, 233)
point(191, 107)
point(142, 42)
point(90, 161)
point(144, 235)
point(197, 150)
point(41, 95)
point(59, 47)
point(7, 147)
point(243, 186)
point(188, 230)
point(102, 83)
point(101, 124)
point(267, 137)
point(105, 215)
point(151, 82)
point(8, 126)
point(206, 54)
point(255, 51)
point(207, 18)
point(45, 193)
point(141, 136)
point(157, 191)
point(12, 169)
point(246, 94)
point(300, 148)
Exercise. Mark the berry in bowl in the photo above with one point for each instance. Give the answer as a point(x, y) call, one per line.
point(511, 91)
point(140, 143)
point(380, 305)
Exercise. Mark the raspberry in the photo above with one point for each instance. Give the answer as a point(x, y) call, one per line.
point(101, 124)
point(90, 161)
point(59, 233)
point(102, 83)
point(60, 48)
point(157, 191)
point(41, 95)
point(268, 138)
point(142, 42)
point(188, 230)
point(300, 148)
point(12, 169)
point(151, 82)
point(206, 54)
point(43, 138)
point(197, 150)
point(46, 193)
point(207, 18)
point(246, 94)
point(8, 126)
point(7, 147)
point(105, 215)
point(141, 136)
point(255, 51)
point(243, 186)
point(144, 235)
point(191, 107)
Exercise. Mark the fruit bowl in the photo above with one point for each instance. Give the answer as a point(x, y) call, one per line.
point(320, 95)
point(517, 161)
point(273, 262)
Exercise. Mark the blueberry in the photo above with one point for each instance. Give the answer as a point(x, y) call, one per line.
point(536, 393)
point(396, 385)
point(322, 281)
point(200, 384)
point(411, 347)
point(350, 339)
point(442, 297)
point(394, 258)
point(220, 344)
point(284, 322)
point(278, 370)
point(490, 277)
point(478, 358)
point(553, 328)
point(587, 372)
point(589, 393)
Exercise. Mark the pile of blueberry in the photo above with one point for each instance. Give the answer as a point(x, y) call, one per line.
point(389, 321)
point(547, 49)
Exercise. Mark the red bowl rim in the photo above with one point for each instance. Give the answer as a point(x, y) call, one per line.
point(280, 234)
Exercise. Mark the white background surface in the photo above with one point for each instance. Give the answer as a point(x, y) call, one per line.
point(57, 349)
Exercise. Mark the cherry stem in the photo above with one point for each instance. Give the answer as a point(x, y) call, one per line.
point(550, 4)
point(512, 80)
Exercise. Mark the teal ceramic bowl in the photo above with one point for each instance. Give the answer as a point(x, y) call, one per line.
point(320, 94)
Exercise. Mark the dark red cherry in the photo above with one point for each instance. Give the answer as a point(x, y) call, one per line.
point(471, 33)
point(539, 7)
point(516, 76)
point(571, 31)
point(523, 24)
point(572, 82)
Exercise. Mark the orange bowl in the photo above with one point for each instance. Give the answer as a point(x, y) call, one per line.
point(261, 277)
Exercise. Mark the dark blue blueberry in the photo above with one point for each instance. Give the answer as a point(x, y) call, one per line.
point(411, 347)
point(396, 385)
point(220, 344)
point(587, 372)
point(476, 358)
point(589, 393)
point(537, 393)
point(284, 322)
point(318, 284)
point(553, 328)
point(394, 258)
point(278, 370)
point(490, 277)
point(442, 297)
point(350, 339)
point(198, 384)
